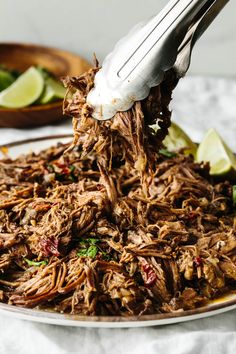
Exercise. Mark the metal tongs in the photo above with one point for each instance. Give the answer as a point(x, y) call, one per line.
point(140, 59)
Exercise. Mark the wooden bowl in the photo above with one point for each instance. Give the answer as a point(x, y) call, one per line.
point(59, 62)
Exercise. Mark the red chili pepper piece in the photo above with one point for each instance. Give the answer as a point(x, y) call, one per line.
point(50, 246)
point(150, 275)
point(198, 261)
point(64, 168)
point(66, 171)
point(59, 164)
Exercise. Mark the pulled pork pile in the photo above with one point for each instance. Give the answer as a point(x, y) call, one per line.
point(112, 226)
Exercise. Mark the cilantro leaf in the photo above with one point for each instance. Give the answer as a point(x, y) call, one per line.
point(72, 177)
point(82, 253)
point(88, 252)
point(50, 168)
point(92, 251)
point(33, 263)
point(167, 153)
point(106, 256)
point(72, 168)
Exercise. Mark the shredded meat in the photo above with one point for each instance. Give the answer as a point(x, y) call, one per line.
point(128, 138)
point(110, 226)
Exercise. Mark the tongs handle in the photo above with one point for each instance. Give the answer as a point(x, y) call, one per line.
point(202, 22)
point(140, 60)
point(160, 36)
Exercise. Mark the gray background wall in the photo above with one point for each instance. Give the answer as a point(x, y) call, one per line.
point(87, 26)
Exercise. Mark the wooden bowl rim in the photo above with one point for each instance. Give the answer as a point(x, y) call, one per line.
point(44, 47)
point(37, 107)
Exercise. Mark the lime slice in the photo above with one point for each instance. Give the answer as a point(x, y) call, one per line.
point(177, 139)
point(6, 79)
point(24, 91)
point(53, 91)
point(215, 151)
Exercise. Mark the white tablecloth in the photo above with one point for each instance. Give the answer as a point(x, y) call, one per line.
point(198, 105)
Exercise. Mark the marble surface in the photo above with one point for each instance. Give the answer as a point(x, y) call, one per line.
point(198, 104)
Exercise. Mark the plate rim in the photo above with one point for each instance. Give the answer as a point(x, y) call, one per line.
point(35, 139)
point(109, 321)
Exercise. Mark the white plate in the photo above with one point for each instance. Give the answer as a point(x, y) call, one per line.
point(218, 306)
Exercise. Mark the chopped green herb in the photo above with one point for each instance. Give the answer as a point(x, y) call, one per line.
point(72, 177)
point(33, 263)
point(106, 256)
point(92, 251)
point(72, 168)
point(50, 168)
point(83, 242)
point(234, 195)
point(167, 153)
point(82, 253)
point(88, 252)
point(88, 241)
point(59, 177)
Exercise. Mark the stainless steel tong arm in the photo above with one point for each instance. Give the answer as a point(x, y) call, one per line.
point(202, 22)
point(139, 60)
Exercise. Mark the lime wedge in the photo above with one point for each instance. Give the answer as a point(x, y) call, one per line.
point(24, 91)
point(177, 139)
point(215, 151)
point(53, 91)
point(6, 79)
